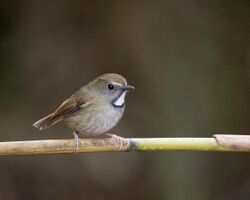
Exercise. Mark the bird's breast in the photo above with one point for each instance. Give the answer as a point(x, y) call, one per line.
point(95, 119)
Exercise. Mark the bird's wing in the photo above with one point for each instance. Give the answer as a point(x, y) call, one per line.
point(70, 106)
point(73, 104)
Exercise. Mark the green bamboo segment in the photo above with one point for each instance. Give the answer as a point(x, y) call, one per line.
point(176, 144)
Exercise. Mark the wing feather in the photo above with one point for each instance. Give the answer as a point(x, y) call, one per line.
point(68, 107)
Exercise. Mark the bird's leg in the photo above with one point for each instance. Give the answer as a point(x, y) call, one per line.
point(76, 140)
point(117, 138)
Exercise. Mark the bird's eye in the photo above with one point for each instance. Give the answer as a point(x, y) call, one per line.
point(110, 86)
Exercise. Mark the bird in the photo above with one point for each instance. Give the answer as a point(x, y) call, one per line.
point(92, 110)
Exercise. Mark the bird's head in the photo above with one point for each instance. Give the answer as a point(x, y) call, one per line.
point(111, 88)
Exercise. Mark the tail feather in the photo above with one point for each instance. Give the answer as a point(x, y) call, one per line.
point(46, 122)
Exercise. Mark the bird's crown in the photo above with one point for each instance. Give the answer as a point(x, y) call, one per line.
point(112, 78)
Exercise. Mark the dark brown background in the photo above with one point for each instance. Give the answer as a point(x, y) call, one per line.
point(189, 63)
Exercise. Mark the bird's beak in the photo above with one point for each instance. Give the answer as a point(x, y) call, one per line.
point(128, 87)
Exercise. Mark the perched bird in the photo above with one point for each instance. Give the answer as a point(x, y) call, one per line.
point(92, 110)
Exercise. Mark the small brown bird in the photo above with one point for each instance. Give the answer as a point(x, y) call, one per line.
point(92, 110)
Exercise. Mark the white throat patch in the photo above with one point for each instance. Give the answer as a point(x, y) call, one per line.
point(121, 99)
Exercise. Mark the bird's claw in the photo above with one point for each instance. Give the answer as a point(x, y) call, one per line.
point(117, 139)
point(76, 140)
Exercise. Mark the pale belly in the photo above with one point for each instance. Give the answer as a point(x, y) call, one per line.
point(90, 124)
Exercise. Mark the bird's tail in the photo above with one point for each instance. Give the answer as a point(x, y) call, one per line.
point(46, 122)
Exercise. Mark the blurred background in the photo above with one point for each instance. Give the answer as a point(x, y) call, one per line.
point(189, 62)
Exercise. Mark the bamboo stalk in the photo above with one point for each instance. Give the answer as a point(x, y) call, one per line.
point(224, 143)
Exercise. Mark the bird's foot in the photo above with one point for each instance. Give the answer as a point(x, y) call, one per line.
point(117, 138)
point(76, 140)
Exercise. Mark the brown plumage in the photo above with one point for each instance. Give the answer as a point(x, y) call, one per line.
point(68, 107)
